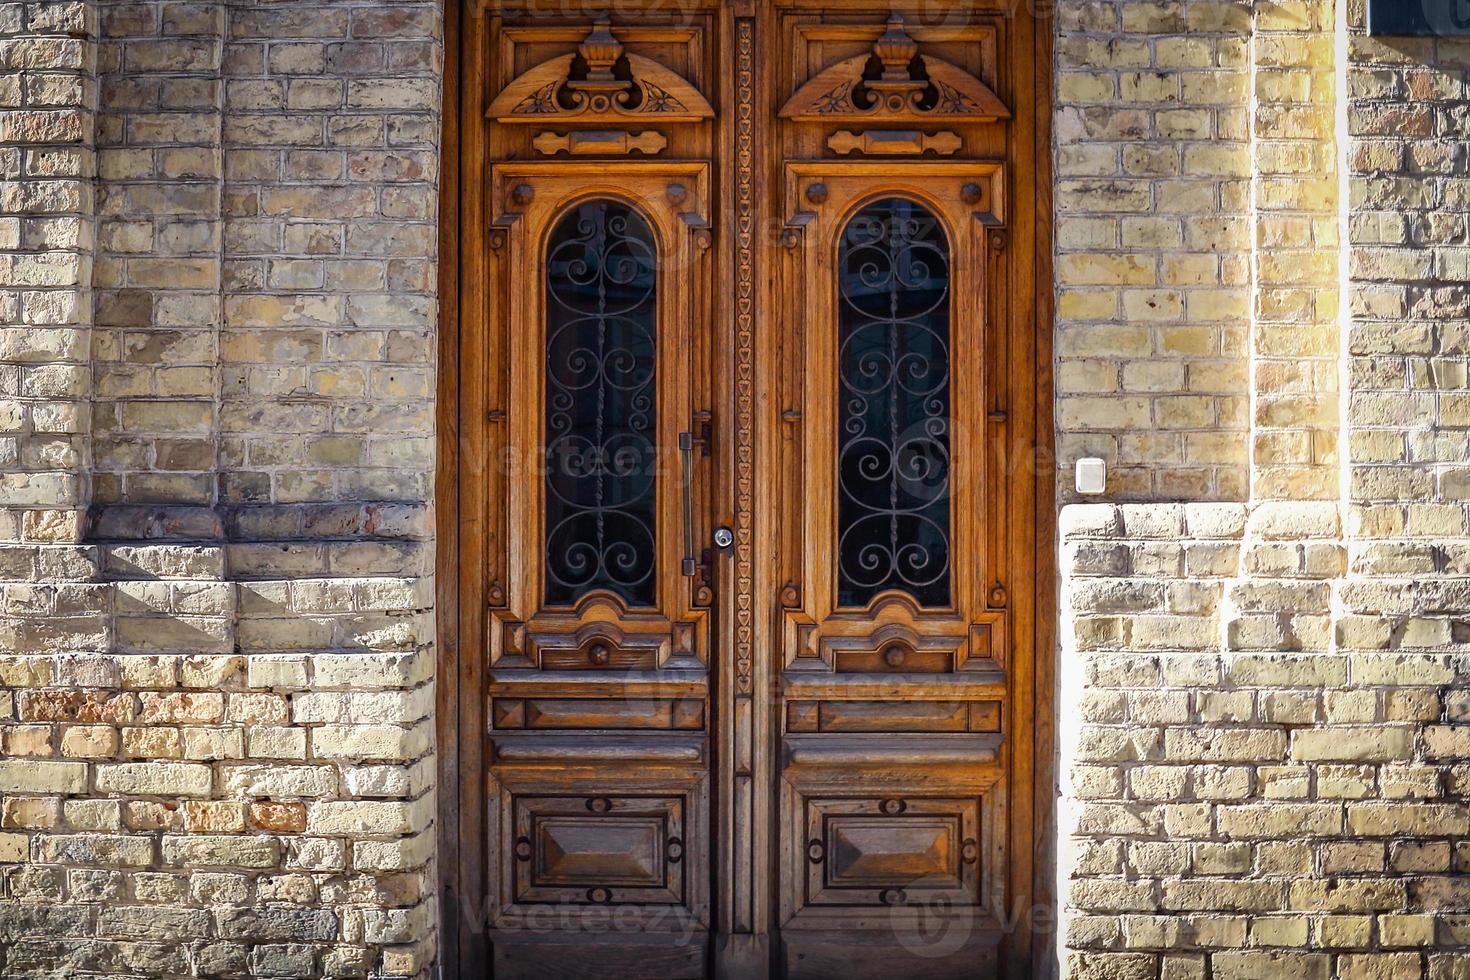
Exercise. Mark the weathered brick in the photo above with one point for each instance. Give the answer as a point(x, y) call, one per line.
point(155, 779)
point(221, 851)
point(42, 776)
point(80, 706)
point(308, 925)
point(279, 817)
point(350, 818)
point(97, 849)
point(280, 781)
point(1368, 744)
point(179, 707)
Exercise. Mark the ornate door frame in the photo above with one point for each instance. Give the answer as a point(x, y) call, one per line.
point(745, 798)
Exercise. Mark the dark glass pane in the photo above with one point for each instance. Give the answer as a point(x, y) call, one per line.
point(601, 309)
point(893, 412)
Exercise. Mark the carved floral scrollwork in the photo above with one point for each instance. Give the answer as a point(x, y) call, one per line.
point(600, 82)
point(894, 91)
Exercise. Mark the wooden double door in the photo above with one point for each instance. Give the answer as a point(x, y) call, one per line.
point(750, 384)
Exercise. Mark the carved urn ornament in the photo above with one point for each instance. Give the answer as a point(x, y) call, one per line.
point(601, 51)
point(601, 82)
point(907, 86)
point(896, 50)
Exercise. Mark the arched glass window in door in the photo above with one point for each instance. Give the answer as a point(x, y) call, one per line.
point(601, 426)
point(893, 477)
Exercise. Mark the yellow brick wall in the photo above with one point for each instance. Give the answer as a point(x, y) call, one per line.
point(1265, 751)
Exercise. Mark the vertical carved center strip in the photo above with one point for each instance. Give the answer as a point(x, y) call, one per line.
point(745, 223)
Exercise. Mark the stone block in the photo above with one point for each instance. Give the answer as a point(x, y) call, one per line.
point(353, 817)
point(209, 850)
point(96, 849)
point(154, 779)
point(1346, 743)
point(148, 922)
point(369, 742)
point(301, 782)
point(1254, 965)
point(278, 817)
point(278, 923)
point(266, 671)
point(97, 815)
point(42, 776)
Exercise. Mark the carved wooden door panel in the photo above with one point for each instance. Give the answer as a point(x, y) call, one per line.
point(748, 380)
point(587, 391)
point(897, 637)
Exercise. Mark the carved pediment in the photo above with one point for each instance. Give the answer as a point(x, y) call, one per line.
point(600, 83)
point(895, 82)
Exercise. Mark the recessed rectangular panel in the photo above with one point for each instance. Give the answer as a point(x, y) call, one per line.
point(880, 662)
point(985, 716)
point(892, 716)
point(570, 714)
point(897, 716)
point(598, 850)
point(890, 851)
point(638, 659)
point(961, 951)
point(588, 851)
point(982, 642)
point(594, 955)
point(988, 648)
point(802, 716)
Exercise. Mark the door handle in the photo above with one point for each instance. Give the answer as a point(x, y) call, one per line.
point(687, 440)
point(686, 455)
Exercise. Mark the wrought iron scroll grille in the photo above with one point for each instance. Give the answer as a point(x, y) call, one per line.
point(601, 422)
point(893, 517)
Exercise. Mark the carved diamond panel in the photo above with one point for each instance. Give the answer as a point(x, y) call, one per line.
point(888, 851)
point(599, 850)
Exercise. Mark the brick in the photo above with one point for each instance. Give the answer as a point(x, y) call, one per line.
point(1281, 820)
point(1251, 965)
point(79, 706)
point(178, 707)
point(98, 815)
point(278, 817)
point(368, 742)
point(209, 850)
point(42, 776)
point(280, 781)
point(89, 741)
point(318, 925)
point(1222, 895)
point(277, 672)
point(97, 849)
point(155, 779)
point(350, 818)
point(1377, 819)
point(172, 925)
point(213, 743)
point(1346, 895)
point(214, 816)
point(1340, 742)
